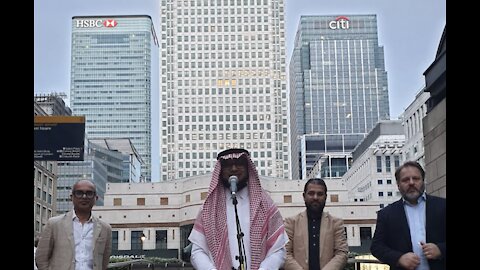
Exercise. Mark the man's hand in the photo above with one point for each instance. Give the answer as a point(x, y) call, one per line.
point(409, 261)
point(431, 251)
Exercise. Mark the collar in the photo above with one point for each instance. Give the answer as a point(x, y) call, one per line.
point(74, 217)
point(243, 193)
point(311, 214)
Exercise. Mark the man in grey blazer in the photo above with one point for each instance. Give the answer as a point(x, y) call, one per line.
point(77, 239)
point(317, 239)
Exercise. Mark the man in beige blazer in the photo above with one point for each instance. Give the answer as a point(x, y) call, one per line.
point(316, 238)
point(76, 237)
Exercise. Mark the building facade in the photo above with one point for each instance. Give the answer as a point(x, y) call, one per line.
point(371, 177)
point(111, 80)
point(44, 186)
point(412, 122)
point(131, 165)
point(338, 88)
point(222, 85)
point(45, 173)
point(164, 213)
point(434, 124)
point(100, 165)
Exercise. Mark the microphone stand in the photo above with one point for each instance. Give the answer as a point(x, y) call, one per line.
point(241, 248)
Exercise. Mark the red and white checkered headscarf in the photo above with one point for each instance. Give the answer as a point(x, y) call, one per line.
point(266, 223)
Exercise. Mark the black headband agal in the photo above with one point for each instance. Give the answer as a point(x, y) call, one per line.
point(231, 151)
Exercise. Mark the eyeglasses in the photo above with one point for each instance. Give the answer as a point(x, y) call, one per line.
point(79, 194)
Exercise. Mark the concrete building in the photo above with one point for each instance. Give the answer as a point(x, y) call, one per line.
point(100, 165)
point(412, 121)
point(434, 124)
point(44, 186)
point(165, 212)
point(338, 90)
point(52, 103)
point(111, 80)
point(372, 175)
point(131, 169)
point(223, 85)
point(46, 172)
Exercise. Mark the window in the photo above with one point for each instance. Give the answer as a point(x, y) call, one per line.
point(136, 240)
point(387, 164)
point(379, 164)
point(380, 194)
point(140, 201)
point(117, 201)
point(163, 201)
point(334, 198)
point(396, 161)
point(161, 239)
point(365, 233)
point(389, 181)
point(287, 198)
point(187, 198)
point(389, 194)
point(203, 195)
point(114, 240)
point(380, 181)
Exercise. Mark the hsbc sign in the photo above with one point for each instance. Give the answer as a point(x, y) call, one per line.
point(341, 22)
point(92, 23)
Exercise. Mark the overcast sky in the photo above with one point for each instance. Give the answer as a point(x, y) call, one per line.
point(409, 31)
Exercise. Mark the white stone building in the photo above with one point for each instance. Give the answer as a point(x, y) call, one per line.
point(372, 175)
point(164, 212)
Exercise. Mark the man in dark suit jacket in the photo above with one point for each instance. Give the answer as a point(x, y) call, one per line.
point(411, 232)
point(77, 237)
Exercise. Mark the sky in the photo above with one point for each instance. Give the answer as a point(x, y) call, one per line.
point(409, 31)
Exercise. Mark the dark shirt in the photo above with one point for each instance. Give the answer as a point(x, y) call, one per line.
point(313, 240)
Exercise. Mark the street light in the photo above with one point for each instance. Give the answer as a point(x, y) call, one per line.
point(142, 237)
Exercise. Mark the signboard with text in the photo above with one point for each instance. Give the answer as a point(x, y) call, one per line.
point(58, 138)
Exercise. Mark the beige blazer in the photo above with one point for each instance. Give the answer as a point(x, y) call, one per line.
point(56, 248)
point(333, 243)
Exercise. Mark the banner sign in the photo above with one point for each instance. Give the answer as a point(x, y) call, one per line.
point(58, 138)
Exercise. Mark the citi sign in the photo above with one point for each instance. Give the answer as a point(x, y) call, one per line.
point(341, 22)
point(95, 23)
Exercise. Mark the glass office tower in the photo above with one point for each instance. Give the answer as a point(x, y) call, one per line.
point(111, 79)
point(223, 85)
point(338, 89)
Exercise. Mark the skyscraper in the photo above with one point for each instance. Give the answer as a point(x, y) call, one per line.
point(111, 78)
point(338, 89)
point(222, 84)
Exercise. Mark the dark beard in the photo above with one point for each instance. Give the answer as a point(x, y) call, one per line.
point(240, 185)
point(314, 212)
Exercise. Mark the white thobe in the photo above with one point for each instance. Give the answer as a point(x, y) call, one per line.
point(201, 258)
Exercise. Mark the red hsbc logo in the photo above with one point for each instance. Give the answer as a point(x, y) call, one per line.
point(341, 22)
point(92, 23)
point(110, 23)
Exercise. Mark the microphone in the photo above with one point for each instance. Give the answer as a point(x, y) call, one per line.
point(233, 180)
